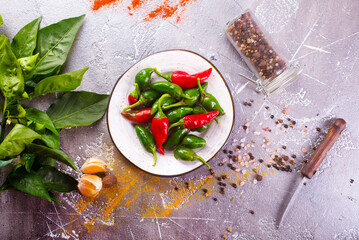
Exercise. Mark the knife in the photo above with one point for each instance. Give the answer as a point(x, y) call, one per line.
point(311, 167)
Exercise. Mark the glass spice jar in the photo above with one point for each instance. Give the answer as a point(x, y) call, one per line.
point(272, 71)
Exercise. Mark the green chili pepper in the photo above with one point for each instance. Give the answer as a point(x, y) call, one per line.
point(176, 114)
point(146, 99)
point(176, 137)
point(165, 102)
point(188, 154)
point(147, 141)
point(193, 93)
point(143, 78)
point(209, 102)
point(193, 141)
point(199, 110)
point(166, 87)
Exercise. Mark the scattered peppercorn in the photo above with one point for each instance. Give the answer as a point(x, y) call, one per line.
point(318, 129)
point(186, 184)
point(294, 156)
point(222, 184)
point(176, 188)
point(204, 190)
point(225, 151)
point(215, 199)
point(259, 177)
point(260, 160)
point(251, 212)
point(285, 126)
point(267, 107)
point(221, 190)
point(234, 185)
point(230, 152)
point(271, 116)
point(284, 147)
point(351, 180)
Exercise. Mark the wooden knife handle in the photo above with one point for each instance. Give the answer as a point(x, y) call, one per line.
point(316, 159)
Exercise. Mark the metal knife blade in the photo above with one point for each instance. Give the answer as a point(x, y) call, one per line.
point(287, 204)
point(311, 167)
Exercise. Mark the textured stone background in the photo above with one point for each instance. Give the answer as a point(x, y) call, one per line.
point(323, 35)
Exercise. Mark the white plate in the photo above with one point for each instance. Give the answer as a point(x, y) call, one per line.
point(123, 132)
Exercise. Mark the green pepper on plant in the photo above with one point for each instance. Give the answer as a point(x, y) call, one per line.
point(143, 78)
point(165, 102)
point(147, 141)
point(176, 114)
point(176, 137)
point(188, 154)
point(193, 141)
point(209, 102)
point(166, 87)
point(193, 93)
point(147, 98)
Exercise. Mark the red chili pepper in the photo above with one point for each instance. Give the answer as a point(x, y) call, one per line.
point(196, 121)
point(138, 116)
point(134, 96)
point(159, 126)
point(184, 79)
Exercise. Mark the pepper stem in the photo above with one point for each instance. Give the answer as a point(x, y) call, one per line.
point(154, 156)
point(178, 104)
point(204, 162)
point(139, 102)
point(137, 90)
point(203, 93)
point(160, 102)
point(167, 77)
point(187, 97)
point(179, 123)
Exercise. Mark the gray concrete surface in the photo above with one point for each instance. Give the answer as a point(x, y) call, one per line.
point(323, 35)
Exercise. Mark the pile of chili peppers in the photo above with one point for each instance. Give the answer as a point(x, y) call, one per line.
point(172, 113)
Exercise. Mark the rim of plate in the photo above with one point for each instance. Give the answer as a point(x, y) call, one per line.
point(117, 82)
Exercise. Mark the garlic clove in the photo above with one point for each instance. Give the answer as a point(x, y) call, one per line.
point(90, 185)
point(94, 165)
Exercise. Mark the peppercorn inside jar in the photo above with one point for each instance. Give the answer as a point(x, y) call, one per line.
point(272, 71)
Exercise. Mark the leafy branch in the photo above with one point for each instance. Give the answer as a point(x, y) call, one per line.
point(30, 67)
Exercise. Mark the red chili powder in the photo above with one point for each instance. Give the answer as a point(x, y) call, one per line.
point(165, 10)
point(136, 3)
point(97, 4)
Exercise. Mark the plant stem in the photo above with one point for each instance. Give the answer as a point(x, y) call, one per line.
point(3, 123)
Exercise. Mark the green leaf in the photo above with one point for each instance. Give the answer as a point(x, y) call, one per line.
point(11, 78)
point(50, 139)
point(56, 180)
point(29, 161)
point(4, 163)
point(15, 111)
point(41, 161)
point(46, 152)
point(28, 63)
point(28, 182)
point(41, 117)
point(1, 21)
point(54, 198)
point(60, 83)
point(24, 42)
point(53, 44)
point(17, 140)
point(77, 109)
